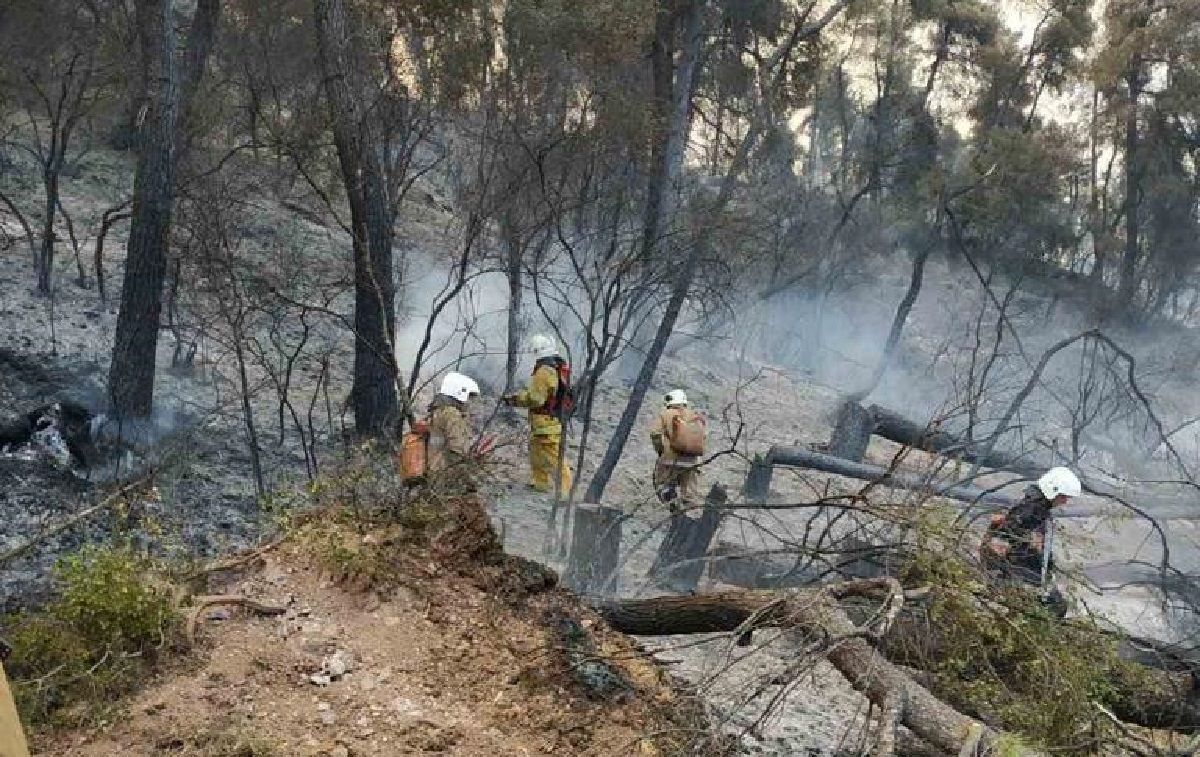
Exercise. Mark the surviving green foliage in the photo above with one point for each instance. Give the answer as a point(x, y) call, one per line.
point(109, 623)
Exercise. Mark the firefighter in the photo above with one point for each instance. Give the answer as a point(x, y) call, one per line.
point(450, 448)
point(1017, 547)
point(678, 435)
point(12, 736)
point(548, 399)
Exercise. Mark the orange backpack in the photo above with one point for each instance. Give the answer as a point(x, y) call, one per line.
point(687, 433)
point(414, 454)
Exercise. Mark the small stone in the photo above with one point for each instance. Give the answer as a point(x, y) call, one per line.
point(320, 679)
point(339, 751)
point(328, 717)
point(338, 664)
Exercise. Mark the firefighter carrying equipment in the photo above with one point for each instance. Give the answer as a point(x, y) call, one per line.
point(423, 449)
point(549, 399)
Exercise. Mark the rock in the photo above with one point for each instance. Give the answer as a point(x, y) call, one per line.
point(320, 679)
point(338, 664)
point(328, 717)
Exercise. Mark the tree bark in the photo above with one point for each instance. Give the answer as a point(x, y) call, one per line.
point(815, 612)
point(595, 550)
point(131, 376)
point(1133, 178)
point(516, 296)
point(135, 347)
point(680, 559)
point(373, 395)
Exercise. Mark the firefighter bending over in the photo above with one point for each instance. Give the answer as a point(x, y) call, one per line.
point(1018, 545)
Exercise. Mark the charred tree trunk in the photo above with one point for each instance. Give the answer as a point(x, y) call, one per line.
point(595, 550)
point(852, 431)
point(131, 376)
point(893, 426)
point(45, 268)
point(680, 560)
point(816, 613)
point(1133, 178)
point(516, 292)
point(373, 396)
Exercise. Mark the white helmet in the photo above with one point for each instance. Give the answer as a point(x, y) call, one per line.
point(676, 398)
point(1058, 481)
point(543, 346)
point(459, 387)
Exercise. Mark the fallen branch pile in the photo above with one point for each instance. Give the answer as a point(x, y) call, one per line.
point(816, 613)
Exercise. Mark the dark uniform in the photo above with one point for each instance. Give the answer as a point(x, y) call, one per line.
point(1017, 528)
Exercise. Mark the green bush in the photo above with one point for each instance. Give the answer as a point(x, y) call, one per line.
point(999, 655)
point(94, 641)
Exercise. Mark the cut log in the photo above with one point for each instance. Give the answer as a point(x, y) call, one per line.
point(680, 559)
point(595, 550)
point(815, 612)
point(852, 432)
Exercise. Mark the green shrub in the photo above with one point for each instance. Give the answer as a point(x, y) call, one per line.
point(95, 641)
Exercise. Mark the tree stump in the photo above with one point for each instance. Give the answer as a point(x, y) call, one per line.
point(679, 563)
point(758, 479)
point(595, 550)
point(852, 432)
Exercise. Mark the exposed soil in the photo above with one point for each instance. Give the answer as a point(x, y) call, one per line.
point(448, 661)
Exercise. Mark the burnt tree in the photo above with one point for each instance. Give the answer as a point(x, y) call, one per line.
point(364, 176)
point(131, 376)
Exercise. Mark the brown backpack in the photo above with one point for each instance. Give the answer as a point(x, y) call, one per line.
point(687, 433)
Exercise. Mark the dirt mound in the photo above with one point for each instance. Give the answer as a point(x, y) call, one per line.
point(463, 652)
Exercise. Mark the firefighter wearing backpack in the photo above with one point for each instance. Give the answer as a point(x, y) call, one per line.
point(548, 398)
point(678, 435)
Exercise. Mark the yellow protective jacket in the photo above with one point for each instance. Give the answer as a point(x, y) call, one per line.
point(660, 437)
point(543, 384)
point(449, 432)
point(12, 736)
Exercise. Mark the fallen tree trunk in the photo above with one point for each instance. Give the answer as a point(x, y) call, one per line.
point(816, 613)
point(800, 457)
point(897, 428)
point(977, 501)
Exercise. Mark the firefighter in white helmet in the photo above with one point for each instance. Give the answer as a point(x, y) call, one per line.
point(1017, 545)
point(450, 437)
point(678, 435)
point(550, 401)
